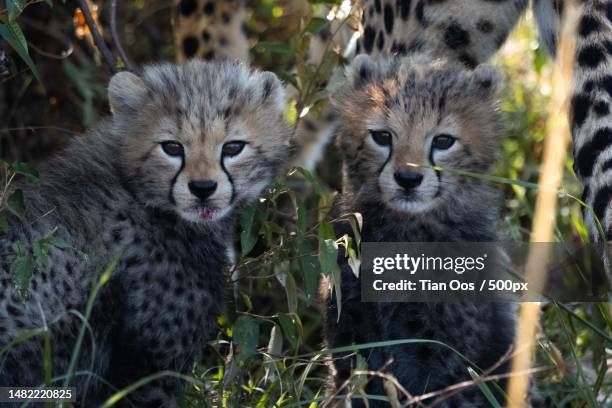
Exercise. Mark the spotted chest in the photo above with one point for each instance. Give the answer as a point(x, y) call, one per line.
point(171, 283)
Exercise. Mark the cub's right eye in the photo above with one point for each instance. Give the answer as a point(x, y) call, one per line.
point(381, 137)
point(172, 148)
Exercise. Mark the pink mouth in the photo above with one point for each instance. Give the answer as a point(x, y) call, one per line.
point(204, 213)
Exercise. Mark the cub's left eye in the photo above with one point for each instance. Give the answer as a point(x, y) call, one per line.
point(172, 148)
point(231, 149)
point(443, 142)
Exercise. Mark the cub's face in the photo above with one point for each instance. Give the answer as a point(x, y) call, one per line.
point(403, 119)
point(199, 139)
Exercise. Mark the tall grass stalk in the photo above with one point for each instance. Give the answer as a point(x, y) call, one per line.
point(551, 173)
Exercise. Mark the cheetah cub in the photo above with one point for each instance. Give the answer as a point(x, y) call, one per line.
point(160, 182)
point(393, 113)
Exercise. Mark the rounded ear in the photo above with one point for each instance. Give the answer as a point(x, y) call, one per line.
point(126, 91)
point(486, 79)
point(273, 90)
point(361, 72)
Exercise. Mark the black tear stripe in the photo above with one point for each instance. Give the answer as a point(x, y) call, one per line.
point(388, 159)
point(438, 172)
point(590, 151)
point(231, 180)
point(602, 200)
point(173, 182)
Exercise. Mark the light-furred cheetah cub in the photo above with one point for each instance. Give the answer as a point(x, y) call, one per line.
point(160, 182)
point(394, 113)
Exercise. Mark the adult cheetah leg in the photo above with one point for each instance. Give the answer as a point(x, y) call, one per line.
point(210, 29)
point(590, 117)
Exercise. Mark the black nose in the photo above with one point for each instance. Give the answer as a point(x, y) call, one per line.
point(202, 188)
point(408, 179)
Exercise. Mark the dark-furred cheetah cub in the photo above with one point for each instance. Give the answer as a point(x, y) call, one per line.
point(395, 113)
point(160, 183)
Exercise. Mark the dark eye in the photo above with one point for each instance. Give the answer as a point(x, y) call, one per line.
point(381, 137)
point(442, 142)
point(231, 149)
point(172, 148)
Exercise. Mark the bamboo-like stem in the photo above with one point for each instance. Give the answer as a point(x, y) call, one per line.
point(109, 57)
point(113, 25)
point(551, 172)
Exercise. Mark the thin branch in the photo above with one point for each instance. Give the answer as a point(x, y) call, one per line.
point(109, 57)
point(115, 35)
point(65, 54)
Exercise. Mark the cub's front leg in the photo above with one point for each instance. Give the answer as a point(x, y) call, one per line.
point(168, 315)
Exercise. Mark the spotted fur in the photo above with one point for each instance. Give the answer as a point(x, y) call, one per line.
point(591, 120)
point(211, 29)
point(469, 31)
point(117, 191)
point(416, 100)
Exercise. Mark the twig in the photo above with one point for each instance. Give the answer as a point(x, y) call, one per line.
point(109, 57)
point(52, 31)
point(115, 35)
point(35, 128)
point(65, 54)
point(445, 393)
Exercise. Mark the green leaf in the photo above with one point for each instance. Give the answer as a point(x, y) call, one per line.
point(328, 256)
point(275, 348)
point(26, 170)
point(312, 180)
point(248, 234)
point(328, 259)
point(246, 335)
point(57, 242)
point(3, 224)
point(15, 203)
point(276, 47)
point(275, 345)
point(21, 272)
point(291, 291)
point(39, 248)
point(292, 327)
point(308, 267)
point(15, 7)
point(289, 78)
point(353, 261)
point(315, 25)
point(484, 388)
point(307, 263)
point(12, 34)
point(326, 231)
point(247, 301)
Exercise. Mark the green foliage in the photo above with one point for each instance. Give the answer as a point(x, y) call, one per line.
point(89, 89)
point(12, 34)
point(27, 257)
